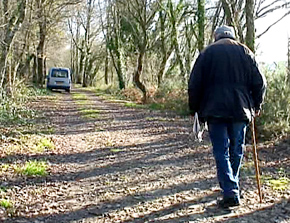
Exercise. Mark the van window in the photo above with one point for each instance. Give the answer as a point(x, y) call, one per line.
point(59, 73)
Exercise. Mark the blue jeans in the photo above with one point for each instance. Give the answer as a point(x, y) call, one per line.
point(228, 139)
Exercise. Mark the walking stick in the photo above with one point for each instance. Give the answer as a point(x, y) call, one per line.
point(256, 161)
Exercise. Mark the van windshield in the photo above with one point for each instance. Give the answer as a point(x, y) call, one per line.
point(59, 73)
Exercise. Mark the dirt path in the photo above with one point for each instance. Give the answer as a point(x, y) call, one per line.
point(129, 165)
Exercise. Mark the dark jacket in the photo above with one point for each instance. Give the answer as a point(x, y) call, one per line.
point(226, 83)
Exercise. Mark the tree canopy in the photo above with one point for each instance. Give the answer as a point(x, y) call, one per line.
point(141, 43)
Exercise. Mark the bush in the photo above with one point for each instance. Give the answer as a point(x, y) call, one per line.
point(12, 107)
point(171, 96)
point(132, 94)
point(275, 118)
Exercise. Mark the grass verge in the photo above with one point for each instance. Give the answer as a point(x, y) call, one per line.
point(176, 100)
point(90, 113)
point(27, 144)
point(6, 203)
point(32, 168)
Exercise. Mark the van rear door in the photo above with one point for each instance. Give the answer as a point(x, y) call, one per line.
point(59, 78)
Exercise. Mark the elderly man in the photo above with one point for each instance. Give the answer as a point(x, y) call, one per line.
point(227, 89)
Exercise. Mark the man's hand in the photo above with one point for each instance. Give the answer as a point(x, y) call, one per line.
point(257, 113)
point(191, 118)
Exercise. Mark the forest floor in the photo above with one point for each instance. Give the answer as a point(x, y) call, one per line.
point(105, 162)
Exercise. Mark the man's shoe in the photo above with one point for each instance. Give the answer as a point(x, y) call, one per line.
point(241, 194)
point(228, 202)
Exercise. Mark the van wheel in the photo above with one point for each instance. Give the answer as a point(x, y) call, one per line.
point(67, 90)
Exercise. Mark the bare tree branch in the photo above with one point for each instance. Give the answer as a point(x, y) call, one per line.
point(269, 27)
point(260, 13)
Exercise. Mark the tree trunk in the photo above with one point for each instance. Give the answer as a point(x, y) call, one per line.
point(119, 69)
point(250, 35)
point(72, 58)
point(106, 67)
point(34, 71)
point(288, 70)
point(175, 43)
point(41, 43)
point(44, 67)
point(12, 26)
point(201, 24)
point(137, 75)
point(24, 70)
point(161, 71)
point(85, 81)
point(118, 48)
point(228, 13)
point(87, 43)
point(40, 70)
point(163, 49)
point(190, 48)
point(81, 64)
point(78, 77)
point(40, 67)
point(105, 31)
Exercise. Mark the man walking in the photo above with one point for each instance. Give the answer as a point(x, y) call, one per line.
point(227, 89)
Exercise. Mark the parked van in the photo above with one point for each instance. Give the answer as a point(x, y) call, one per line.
point(59, 78)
